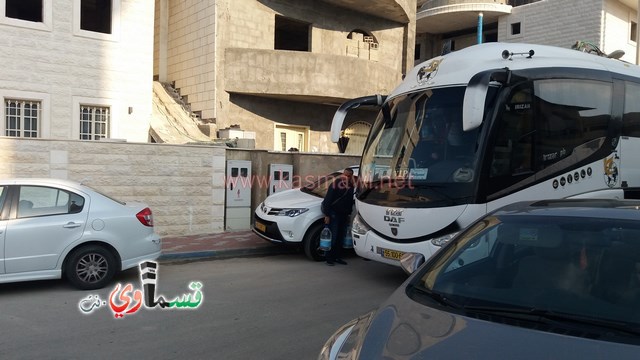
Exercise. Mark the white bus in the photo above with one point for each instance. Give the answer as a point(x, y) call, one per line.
point(489, 125)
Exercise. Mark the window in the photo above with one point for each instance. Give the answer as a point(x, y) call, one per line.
point(633, 36)
point(631, 117)
point(289, 138)
point(521, 2)
point(95, 15)
point(416, 55)
point(3, 195)
point(32, 14)
point(22, 118)
point(94, 122)
point(28, 10)
point(283, 141)
point(515, 28)
point(291, 34)
point(546, 126)
point(42, 201)
point(99, 19)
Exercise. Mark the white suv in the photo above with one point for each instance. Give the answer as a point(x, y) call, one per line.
point(293, 217)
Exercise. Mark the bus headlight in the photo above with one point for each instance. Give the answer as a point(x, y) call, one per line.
point(359, 227)
point(440, 241)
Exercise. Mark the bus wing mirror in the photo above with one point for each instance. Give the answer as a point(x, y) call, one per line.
point(475, 96)
point(341, 113)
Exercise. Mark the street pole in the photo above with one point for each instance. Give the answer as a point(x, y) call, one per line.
point(480, 15)
point(638, 33)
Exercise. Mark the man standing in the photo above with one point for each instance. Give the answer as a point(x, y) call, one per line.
point(336, 208)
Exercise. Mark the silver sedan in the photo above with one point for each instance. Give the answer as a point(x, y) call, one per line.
point(51, 228)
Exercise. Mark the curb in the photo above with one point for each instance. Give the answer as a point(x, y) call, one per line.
point(225, 254)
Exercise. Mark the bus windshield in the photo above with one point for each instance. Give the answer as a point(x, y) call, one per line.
point(418, 153)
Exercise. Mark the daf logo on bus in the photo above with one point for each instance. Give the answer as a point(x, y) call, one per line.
point(394, 218)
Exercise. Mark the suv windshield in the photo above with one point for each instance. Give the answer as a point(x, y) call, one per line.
point(571, 267)
point(320, 186)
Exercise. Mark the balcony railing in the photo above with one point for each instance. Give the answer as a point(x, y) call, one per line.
point(438, 3)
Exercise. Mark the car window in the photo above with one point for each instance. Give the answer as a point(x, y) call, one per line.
point(3, 195)
point(565, 265)
point(42, 201)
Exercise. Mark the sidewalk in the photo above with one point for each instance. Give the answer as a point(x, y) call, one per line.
point(218, 246)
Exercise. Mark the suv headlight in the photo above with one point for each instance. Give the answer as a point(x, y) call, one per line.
point(440, 241)
point(358, 226)
point(292, 212)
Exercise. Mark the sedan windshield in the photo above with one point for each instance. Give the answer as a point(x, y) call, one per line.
point(578, 270)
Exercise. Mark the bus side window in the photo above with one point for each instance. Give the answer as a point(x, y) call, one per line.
point(570, 113)
point(512, 150)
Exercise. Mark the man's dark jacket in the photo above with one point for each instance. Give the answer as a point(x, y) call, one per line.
point(339, 198)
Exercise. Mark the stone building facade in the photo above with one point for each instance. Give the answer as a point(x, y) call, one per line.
point(76, 70)
point(608, 24)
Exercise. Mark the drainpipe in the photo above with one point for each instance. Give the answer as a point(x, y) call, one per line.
point(638, 33)
point(480, 26)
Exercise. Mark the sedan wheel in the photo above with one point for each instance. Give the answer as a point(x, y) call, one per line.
point(90, 267)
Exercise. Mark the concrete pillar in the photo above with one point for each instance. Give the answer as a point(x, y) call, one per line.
point(163, 40)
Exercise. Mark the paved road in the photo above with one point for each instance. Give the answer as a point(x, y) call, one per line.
point(275, 307)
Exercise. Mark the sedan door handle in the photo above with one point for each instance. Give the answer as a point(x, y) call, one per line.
point(71, 225)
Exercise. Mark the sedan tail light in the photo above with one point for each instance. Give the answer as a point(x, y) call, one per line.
point(146, 217)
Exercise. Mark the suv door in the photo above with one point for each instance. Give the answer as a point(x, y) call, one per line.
point(43, 222)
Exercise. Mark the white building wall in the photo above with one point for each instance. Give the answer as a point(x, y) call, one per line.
point(58, 62)
point(617, 29)
point(555, 22)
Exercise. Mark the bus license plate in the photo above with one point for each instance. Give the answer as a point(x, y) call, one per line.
point(392, 254)
point(260, 226)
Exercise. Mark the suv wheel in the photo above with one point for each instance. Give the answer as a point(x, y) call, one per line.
point(311, 242)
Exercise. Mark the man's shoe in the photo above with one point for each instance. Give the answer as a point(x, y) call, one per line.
point(341, 262)
point(330, 263)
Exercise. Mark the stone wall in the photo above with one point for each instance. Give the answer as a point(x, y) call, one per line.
point(183, 185)
point(570, 20)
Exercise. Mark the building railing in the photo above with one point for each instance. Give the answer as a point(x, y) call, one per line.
point(431, 4)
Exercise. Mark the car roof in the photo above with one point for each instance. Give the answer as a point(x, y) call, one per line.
point(579, 208)
point(50, 181)
point(45, 182)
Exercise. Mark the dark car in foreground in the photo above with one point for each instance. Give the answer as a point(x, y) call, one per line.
point(557, 279)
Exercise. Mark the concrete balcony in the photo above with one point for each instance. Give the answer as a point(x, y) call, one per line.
point(400, 11)
point(305, 76)
point(442, 16)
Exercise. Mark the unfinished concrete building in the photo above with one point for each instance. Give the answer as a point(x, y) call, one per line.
point(278, 69)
